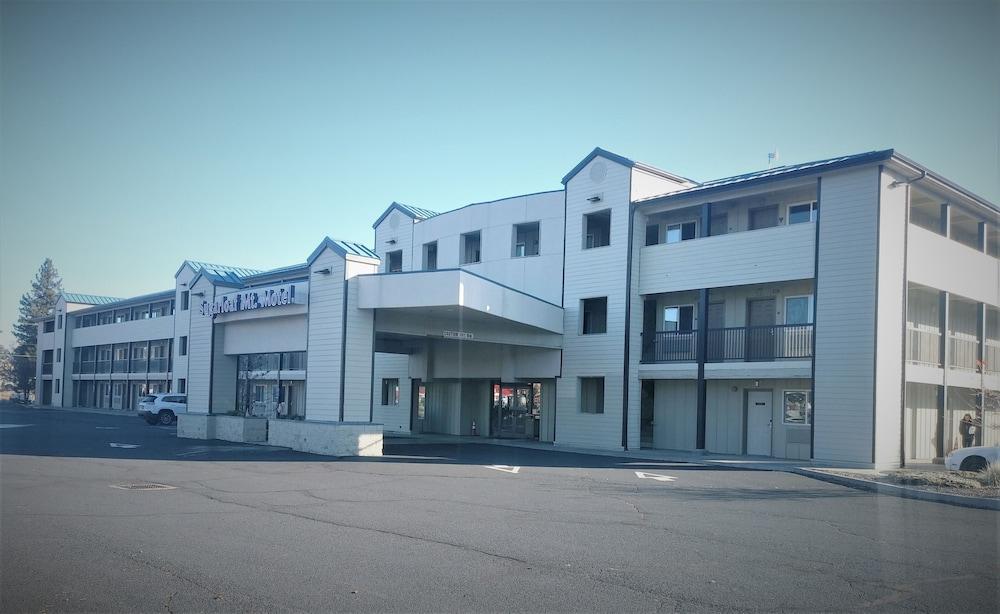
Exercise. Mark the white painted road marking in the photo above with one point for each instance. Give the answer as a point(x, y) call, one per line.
point(14, 426)
point(654, 476)
point(107, 428)
point(127, 446)
point(504, 468)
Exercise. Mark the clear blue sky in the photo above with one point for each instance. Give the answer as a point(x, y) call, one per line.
point(135, 135)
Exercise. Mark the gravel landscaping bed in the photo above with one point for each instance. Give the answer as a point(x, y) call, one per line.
point(964, 483)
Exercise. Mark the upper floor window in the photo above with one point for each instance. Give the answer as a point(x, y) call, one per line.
point(182, 346)
point(798, 309)
point(684, 231)
point(185, 299)
point(121, 315)
point(679, 318)
point(158, 310)
point(800, 214)
point(59, 319)
point(394, 261)
point(140, 313)
point(763, 217)
point(431, 256)
point(105, 317)
point(471, 246)
point(49, 326)
point(652, 234)
point(526, 240)
point(597, 229)
point(595, 315)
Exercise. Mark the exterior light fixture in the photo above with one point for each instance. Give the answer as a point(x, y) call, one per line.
point(596, 198)
point(325, 271)
point(391, 241)
point(197, 294)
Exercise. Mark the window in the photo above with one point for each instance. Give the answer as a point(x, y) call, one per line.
point(678, 318)
point(394, 261)
point(59, 318)
point(431, 256)
point(595, 315)
point(182, 385)
point(471, 247)
point(525, 240)
point(121, 315)
point(140, 313)
point(652, 234)
point(57, 386)
point(798, 309)
point(390, 391)
point(797, 407)
point(597, 229)
point(719, 224)
point(681, 232)
point(58, 354)
point(47, 357)
point(293, 361)
point(592, 395)
point(105, 317)
point(182, 346)
point(763, 217)
point(800, 214)
point(49, 326)
point(158, 310)
point(185, 300)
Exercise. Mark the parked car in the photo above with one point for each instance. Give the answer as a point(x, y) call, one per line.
point(975, 458)
point(162, 408)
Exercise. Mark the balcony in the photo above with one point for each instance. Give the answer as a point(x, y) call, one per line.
point(120, 365)
point(923, 347)
point(103, 366)
point(138, 365)
point(781, 253)
point(739, 344)
point(962, 352)
point(46, 368)
point(87, 366)
point(159, 365)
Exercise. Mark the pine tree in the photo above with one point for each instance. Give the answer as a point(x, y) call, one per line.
point(36, 303)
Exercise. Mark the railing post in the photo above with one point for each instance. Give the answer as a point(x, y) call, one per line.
point(701, 338)
point(943, 356)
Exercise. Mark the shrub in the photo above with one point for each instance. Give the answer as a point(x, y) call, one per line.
point(990, 476)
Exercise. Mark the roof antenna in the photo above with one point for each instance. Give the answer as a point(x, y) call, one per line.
point(772, 156)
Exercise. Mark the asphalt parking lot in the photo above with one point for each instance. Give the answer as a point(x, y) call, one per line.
point(452, 528)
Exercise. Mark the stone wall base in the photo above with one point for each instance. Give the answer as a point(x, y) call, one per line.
point(329, 438)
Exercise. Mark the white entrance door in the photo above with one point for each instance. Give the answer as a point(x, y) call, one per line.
point(759, 423)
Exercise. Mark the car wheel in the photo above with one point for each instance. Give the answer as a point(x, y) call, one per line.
point(973, 463)
point(166, 417)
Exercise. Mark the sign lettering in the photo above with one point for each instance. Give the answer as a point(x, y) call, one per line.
point(248, 300)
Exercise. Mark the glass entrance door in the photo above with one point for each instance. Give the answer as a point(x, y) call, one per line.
point(516, 415)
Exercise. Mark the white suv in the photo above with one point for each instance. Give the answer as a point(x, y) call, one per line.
point(162, 408)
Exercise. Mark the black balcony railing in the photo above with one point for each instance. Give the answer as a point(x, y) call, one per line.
point(138, 365)
point(752, 343)
point(87, 366)
point(46, 368)
point(104, 366)
point(119, 365)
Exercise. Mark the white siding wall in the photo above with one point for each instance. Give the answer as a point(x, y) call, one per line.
point(358, 357)
point(200, 352)
point(772, 254)
point(326, 297)
point(399, 228)
point(182, 323)
point(594, 273)
point(921, 422)
point(845, 318)
point(646, 184)
point(392, 417)
point(891, 319)
point(537, 275)
point(944, 264)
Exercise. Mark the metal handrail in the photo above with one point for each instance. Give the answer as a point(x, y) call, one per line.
point(738, 343)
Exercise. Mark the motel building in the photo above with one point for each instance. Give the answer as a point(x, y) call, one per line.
point(837, 310)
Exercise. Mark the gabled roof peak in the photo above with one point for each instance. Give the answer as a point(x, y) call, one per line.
point(343, 248)
point(604, 153)
point(416, 213)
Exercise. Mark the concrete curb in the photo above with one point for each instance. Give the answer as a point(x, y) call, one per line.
point(905, 492)
point(125, 413)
